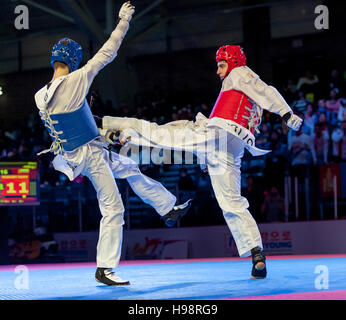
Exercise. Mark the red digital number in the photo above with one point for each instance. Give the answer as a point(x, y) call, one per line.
point(15, 186)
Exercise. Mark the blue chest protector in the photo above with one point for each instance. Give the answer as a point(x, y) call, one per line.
point(70, 131)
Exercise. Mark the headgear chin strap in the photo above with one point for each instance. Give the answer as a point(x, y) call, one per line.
point(233, 55)
point(68, 52)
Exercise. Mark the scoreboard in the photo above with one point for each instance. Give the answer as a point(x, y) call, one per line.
point(19, 183)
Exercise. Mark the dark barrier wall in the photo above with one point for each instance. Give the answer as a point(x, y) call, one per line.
point(3, 236)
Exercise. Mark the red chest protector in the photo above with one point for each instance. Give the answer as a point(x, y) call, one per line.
point(232, 105)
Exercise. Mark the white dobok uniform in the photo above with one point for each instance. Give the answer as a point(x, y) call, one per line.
point(224, 161)
point(66, 94)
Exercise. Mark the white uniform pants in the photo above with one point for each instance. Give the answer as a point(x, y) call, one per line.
point(179, 135)
point(101, 172)
point(227, 189)
point(223, 166)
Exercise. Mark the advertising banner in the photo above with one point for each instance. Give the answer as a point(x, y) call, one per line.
point(286, 238)
point(77, 246)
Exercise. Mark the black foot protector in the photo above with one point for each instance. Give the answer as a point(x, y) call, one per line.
point(259, 270)
point(172, 217)
point(108, 277)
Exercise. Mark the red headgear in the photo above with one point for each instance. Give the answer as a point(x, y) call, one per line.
point(233, 55)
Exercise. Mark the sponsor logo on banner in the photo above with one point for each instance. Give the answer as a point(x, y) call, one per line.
point(74, 249)
point(156, 248)
point(277, 242)
point(274, 242)
point(77, 246)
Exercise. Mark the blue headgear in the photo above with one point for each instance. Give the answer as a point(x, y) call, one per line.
point(70, 54)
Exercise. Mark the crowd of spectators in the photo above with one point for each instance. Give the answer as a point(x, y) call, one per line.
point(320, 140)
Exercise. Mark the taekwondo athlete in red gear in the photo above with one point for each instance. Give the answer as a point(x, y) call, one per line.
point(79, 147)
point(241, 87)
point(237, 112)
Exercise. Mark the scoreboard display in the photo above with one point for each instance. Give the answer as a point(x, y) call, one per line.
point(19, 183)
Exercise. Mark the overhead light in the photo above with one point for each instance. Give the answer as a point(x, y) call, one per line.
point(1, 91)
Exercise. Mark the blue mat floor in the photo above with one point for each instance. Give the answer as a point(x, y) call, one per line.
point(176, 281)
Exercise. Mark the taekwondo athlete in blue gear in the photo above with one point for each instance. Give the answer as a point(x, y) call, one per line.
point(79, 147)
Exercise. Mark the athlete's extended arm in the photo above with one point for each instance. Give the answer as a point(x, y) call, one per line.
point(109, 50)
point(245, 80)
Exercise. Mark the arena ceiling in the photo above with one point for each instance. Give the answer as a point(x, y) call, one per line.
point(97, 17)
